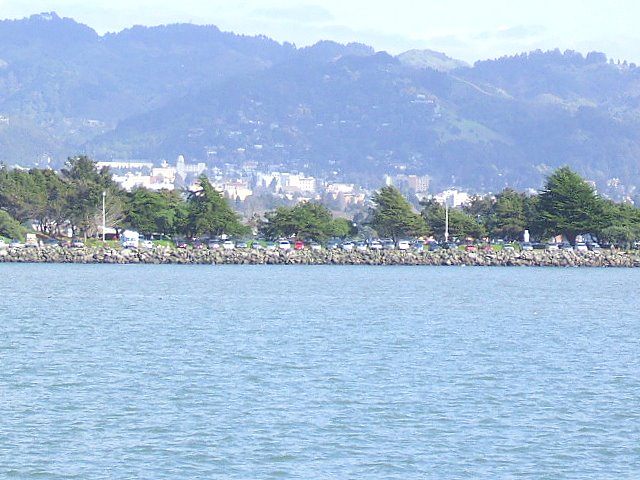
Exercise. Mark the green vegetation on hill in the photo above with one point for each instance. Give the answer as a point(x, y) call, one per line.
point(158, 92)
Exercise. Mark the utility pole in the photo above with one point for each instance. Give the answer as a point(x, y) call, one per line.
point(446, 222)
point(104, 215)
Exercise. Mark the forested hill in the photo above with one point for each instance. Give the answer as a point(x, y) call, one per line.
point(154, 93)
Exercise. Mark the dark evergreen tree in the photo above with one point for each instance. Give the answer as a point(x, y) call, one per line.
point(568, 205)
point(210, 214)
point(393, 215)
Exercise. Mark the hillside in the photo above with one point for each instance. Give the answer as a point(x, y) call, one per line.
point(329, 109)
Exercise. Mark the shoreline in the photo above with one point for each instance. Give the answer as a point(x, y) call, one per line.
point(169, 255)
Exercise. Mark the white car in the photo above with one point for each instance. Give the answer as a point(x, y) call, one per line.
point(3, 244)
point(581, 247)
point(361, 247)
point(347, 246)
point(404, 245)
point(146, 244)
point(376, 245)
point(284, 245)
point(228, 245)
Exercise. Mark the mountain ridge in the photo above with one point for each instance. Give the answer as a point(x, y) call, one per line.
point(329, 109)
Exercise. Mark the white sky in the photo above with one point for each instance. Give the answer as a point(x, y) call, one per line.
point(465, 29)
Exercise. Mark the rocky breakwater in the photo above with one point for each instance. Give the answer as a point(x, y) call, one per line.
point(169, 255)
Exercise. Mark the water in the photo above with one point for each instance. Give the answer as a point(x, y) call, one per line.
point(236, 372)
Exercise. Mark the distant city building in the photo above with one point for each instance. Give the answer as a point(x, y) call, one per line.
point(131, 180)
point(340, 188)
point(236, 190)
point(417, 184)
point(116, 165)
point(453, 198)
point(286, 182)
point(163, 177)
point(183, 169)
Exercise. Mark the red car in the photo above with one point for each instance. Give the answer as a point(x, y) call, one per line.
point(299, 245)
point(471, 248)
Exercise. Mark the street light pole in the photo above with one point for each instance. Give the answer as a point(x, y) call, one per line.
point(104, 216)
point(446, 222)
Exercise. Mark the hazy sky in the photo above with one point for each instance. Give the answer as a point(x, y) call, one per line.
point(466, 29)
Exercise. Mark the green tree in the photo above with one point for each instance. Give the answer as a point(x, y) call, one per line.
point(17, 194)
point(461, 224)
point(34, 196)
point(84, 200)
point(10, 227)
point(154, 212)
point(508, 219)
point(342, 228)
point(624, 225)
point(568, 205)
point(306, 220)
point(483, 208)
point(49, 200)
point(393, 215)
point(209, 213)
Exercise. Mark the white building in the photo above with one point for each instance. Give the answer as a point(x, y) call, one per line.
point(183, 168)
point(453, 198)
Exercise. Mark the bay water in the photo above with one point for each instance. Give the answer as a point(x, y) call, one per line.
point(318, 372)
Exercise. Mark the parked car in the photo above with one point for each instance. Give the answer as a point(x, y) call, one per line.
point(347, 246)
point(51, 242)
point(181, 244)
point(16, 244)
point(77, 243)
point(525, 246)
point(3, 244)
point(361, 246)
point(299, 245)
point(241, 244)
point(470, 248)
point(581, 247)
point(228, 245)
point(284, 245)
point(388, 245)
point(507, 247)
point(594, 246)
point(434, 246)
point(213, 244)
point(315, 246)
point(256, 245)
point(375, 245)
point(551, 246)
point(270, 246)
point(566, 246)
point(333, 244)
point(146, 244)
point(404, 245)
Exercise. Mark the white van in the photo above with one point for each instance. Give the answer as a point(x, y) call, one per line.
point(130, 239)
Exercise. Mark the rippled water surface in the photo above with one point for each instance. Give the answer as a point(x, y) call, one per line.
point(175, 372)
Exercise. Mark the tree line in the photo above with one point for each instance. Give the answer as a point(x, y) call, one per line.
point(567, 206)
point(73, 199)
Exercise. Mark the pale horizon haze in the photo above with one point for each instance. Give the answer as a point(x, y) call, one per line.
point(468, 30)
